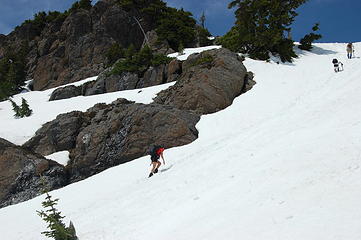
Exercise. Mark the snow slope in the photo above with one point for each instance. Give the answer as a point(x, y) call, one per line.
point(20, 130)
point(282, 162)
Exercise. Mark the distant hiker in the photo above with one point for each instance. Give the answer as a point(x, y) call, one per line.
point(155, 153)
point(337, 64)
point(349, 50)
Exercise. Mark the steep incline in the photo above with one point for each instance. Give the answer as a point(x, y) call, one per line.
point(282, 162)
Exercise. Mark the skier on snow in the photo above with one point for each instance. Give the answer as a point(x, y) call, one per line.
point(155, 153)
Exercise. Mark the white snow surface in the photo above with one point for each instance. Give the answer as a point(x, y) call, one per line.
point(18, 131)
point(189, 51)
point(281, 163)
point(61, 157)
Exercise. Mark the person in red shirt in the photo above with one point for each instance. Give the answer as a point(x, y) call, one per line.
point(156, 153)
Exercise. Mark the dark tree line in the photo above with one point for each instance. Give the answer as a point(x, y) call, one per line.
point(262, 27)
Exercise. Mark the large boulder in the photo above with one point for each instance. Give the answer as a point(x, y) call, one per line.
point(65, 92)
point(57, 135)
point(123, 131)
point(108, 135)
point(24, 173)
point(209, 82)
point(107, 82)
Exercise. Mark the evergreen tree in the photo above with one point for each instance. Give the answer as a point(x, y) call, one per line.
point(202, 20)
point(203, 36)
point(180, 49)
point(82, 4)
point(21, 111)
point(53, 217)
point(12, 71)
point(261, 26)
point(25, 110)
point(114, 53)
point(177, 26)
point(16, 109)
point(308, 39)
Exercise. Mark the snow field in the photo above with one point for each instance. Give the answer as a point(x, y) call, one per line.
point(282, 162)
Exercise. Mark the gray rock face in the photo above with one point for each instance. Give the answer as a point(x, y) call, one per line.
point(160, 47)
point(57, 135)
point(107, 82)
point(20, 172)
point(65, 92)
point(71, 49)
point(124, 131)
point(209, 82)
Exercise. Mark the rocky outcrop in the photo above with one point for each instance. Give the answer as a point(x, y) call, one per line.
point(124, 131)
point(20, 172)
point(57, 135)
point(209, 82)
point(73, 48)
point(160, 47)
point(108, 135)
point(65, 92)
point(107, 82)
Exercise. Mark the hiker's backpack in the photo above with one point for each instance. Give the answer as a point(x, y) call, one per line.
point(153, 150)
point(334, 61)
point(349, 45)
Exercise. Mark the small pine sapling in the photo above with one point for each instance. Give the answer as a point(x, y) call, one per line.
point(53, 217)
point(25, 109)
point(21, 111)
point(16, 109)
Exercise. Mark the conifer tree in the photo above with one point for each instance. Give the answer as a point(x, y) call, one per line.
point(21, 111)
point(57, 229)
point(16, 109)
point(25, 110)
point(261, 26)
point(308, 39)
point(202, 20)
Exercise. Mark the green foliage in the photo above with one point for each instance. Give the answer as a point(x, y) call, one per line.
point(308, 39)
point(206, 59)
point(159, 59)
point(139, 62)
point(12, 71)
point(231, 40)
point(203, 35)
point(172, 25)
point(41, 19)
point(181, 48)
point(21, 111)
point(284, 48)
point(114, 53)
point(82, 4)
point(16, 109)
point(202, 20)
point(177, 26)
point(25, 109)
point(260, 27)
point(57, 229)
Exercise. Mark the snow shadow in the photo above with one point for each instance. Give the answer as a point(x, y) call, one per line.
point(166, 169)
point(314, 50)
point(300, 52)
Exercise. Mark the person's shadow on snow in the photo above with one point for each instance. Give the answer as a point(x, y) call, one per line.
point(166, 169)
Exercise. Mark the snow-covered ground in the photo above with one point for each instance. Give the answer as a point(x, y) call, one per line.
point(281, 163)
point(20, 130)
